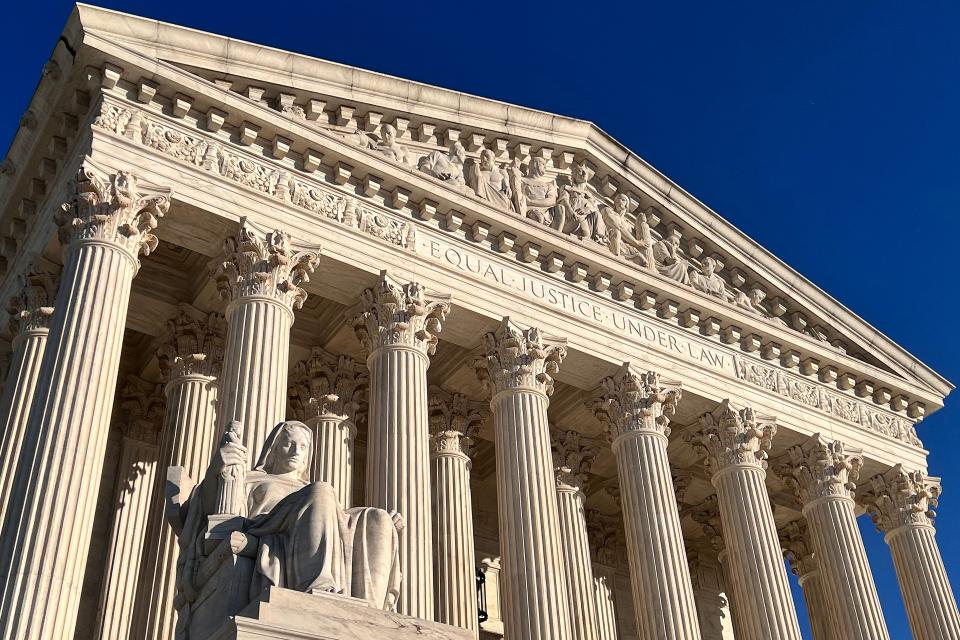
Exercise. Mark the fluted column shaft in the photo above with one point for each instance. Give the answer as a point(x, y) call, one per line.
point(131, 499)
point(333, 458)
point(18, 393)
point(256, 360)
point(736, 612)
point(533, 576)
point(456, 583)
point(576, 555)
point(49, 519)
point(662, 591)
point(931, 605)
point(847, 579)
point(817, 611)
point(755, 560)
point(604, 594)
point(189, 436)
point(901, 503)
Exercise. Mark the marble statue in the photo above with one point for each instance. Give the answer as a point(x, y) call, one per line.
point(490, 182)
point(626, 239)
point(708, 280)
point(534, 194)
point(447, 167)
point(304, 540)
point(388, 145)
point(578, 210)
point(669, 260)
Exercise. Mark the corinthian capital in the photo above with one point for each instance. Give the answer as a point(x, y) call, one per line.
point(572, 456)
point(326, 384)
point(31, 309)
point(899, 497)
point(143, 404)
point(454, 421)
point(820, 468)
point(264, 265)
point(795, 542)
point(193, 345)
point(728, 437)
point(636, 401)
point(516, 358)
point(117, 208)
point(394, 313)
point(707, 515)
point(604, 534)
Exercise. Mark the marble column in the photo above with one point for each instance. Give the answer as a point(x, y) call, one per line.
point(260, 275)
point(735, 444)
point(30, 313)
point(189, 357)
point(901, 503)
point(572, 455)
point(713, 612)
point(104, 228)
point(707, 515)
point(453, 421)
point(398, 326)
point(132, 497)
point(327, 393)
point(794, 538)
point(602, 534)
point(517, 369)
point(823, 474)
point(635, 406)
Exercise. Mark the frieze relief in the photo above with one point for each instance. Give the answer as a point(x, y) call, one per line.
point(813, 395)
point(569, 204)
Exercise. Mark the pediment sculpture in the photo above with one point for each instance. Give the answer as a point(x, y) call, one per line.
point(241, 531)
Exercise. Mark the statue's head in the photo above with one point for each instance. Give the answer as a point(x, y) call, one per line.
point(486, 159)
point(389, 134)
point(287, 450)
point(621, 203)
point(709, 266)
point(458, 152)
point(538, 167)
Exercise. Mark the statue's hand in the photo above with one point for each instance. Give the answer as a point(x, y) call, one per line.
point(230, 454)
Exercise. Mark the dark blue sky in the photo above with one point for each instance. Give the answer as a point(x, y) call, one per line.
point(825, 130)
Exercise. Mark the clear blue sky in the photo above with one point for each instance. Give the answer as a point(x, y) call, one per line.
point(825, 130)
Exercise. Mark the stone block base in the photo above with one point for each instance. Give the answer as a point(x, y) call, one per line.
point(281, 614)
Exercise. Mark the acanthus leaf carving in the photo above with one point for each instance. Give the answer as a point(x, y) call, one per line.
point(144, 405)
point(729, 437)
point(394, 313)
point(820, 468)
point(797, 548)
point(31, 309)
point(573, 454)
point(707, 515)
point(900, 498)
point(516, 358)
point(327, 385)
point(193, 345)
point(605, 536)
point(454, 421)
point(634, 401)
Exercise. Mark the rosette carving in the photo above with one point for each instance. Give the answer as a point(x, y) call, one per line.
point(454, 421)
point(795, 541)
point(394, 313)
point(573, 455)
point(193, 345)
point(264, 265)
point(635, 401)
point(820, 468)
point(31, 309)
point(730, 437)
point(326, 384)
point(516, 358)
point(899, 497)
point(118, 208)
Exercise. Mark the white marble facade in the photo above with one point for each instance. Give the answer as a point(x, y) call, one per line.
point(530, 353)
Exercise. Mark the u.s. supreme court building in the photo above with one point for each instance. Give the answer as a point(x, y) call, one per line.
point(299, 350)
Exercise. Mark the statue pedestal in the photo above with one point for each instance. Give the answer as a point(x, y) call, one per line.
point(281, 614)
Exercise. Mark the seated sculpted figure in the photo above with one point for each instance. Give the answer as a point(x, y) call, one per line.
point(626, 239)
point(490, 182)
point(708, 281)
point(388, 145)
point(305, 541)
point(669, 260)
point(578, 210)
point(534, 194)
point(446, 166)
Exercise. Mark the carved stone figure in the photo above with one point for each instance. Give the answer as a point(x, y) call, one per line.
point(534, 195)
point(708, 281)
point(295, 532)
point(625, 239)
point(388, 145)
point(490, 182)
point(578, 210)
point(669, 260)
point(446, 166)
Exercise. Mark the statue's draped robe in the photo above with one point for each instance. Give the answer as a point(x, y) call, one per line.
point(669, 263)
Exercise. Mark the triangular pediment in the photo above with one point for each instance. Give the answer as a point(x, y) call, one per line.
point(560, 186)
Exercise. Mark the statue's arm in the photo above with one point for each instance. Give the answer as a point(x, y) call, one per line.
point(179, 488)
